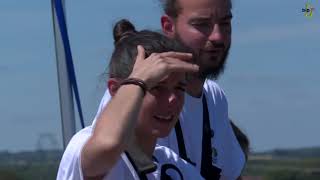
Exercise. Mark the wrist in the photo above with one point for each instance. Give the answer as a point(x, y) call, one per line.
point(137, 82)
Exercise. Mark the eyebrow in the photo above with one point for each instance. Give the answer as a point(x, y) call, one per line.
point(208, 18)
point(203, 18)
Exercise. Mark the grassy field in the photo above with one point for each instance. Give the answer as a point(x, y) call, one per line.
point(284, 169)
point(42, 165)
point(297, 164)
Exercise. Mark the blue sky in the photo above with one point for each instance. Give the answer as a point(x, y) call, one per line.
point(272, 79)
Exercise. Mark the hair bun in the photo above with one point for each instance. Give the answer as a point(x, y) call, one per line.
point(122, 29)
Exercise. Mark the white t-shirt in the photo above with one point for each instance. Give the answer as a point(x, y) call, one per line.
point(228, 155)
point(167, 161)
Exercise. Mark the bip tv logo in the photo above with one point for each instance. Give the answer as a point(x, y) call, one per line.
point(308, 10)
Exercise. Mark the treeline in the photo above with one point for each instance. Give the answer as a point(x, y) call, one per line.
point(313, 152)
point(284, 164)
point(8, 158)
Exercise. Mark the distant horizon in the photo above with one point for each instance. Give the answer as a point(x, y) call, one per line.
point(251, 152)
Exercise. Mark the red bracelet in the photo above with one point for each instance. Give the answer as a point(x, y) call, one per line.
point(137, 82)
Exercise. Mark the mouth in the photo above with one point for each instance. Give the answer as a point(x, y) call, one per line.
point(213, 53)
point(211, 56)
point(165, 119)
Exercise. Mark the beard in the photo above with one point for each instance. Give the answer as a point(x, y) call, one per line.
point(215, 70)
point(210, 67)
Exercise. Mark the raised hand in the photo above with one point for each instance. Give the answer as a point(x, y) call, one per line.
point(158, 65)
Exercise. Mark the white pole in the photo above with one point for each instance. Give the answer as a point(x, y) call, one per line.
point(65, 90)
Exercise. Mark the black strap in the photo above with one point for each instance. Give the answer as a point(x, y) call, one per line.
point(208, 171)
point(142, 175)
point(165, 167)
point(181, 146)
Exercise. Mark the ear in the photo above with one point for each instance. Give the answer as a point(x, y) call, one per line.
point(113, 86)
point(168, 26)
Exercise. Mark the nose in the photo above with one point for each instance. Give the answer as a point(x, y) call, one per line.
point(172, 99)
point(216, 34)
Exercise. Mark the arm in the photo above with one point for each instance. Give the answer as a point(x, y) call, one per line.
point(112, 132)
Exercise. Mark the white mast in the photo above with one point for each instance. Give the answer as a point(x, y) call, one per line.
point(65, 88)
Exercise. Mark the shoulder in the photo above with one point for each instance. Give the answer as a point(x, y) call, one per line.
point(78, 140)
point(213, 87)
point(70, 164)
point(213, 90)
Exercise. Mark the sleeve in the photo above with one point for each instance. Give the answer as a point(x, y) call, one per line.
point(70, 164)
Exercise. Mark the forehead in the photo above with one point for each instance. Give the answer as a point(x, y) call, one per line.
point(174, 78)
point(206, 8)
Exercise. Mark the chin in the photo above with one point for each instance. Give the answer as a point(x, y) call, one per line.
point(161, 130)
point(160, 133)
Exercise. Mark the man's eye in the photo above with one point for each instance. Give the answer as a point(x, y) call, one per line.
point(200, 24)
point(203, 27)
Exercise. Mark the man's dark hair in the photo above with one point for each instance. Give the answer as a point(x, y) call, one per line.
point(126, 40)
point(171, 7)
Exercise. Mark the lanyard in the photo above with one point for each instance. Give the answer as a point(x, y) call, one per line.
point(208, 171)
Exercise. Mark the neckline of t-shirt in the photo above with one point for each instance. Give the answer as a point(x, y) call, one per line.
point(197, 98)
